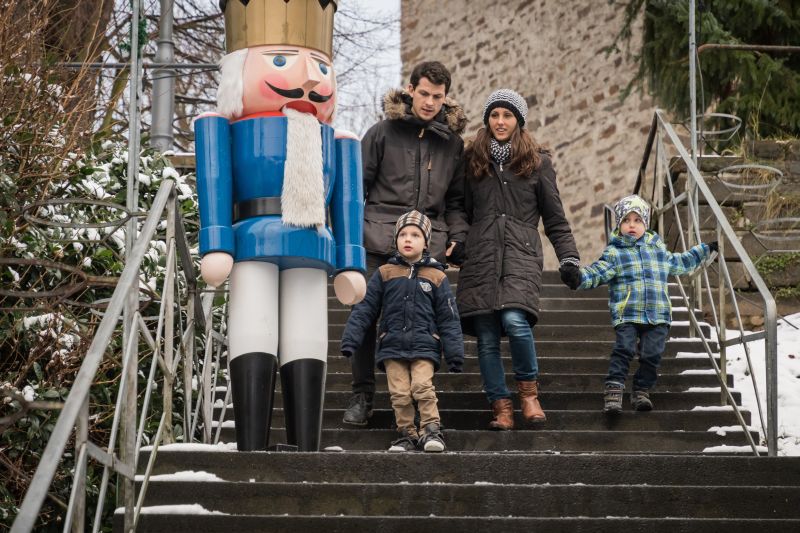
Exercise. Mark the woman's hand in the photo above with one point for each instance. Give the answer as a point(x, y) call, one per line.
point(570, 275)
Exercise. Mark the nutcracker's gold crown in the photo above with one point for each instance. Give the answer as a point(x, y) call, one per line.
point(306, 23)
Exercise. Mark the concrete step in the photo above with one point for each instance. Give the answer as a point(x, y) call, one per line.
point(531, 440)
point(663, 401)
point(561, 300)
point(478, 500)
point(555, 290)
point(590, 420)
point(156, 521)
point(548, 317)
point(548, 347)
point(472, 467)
point(578, 365)
point(446, 382)
point(573, 332)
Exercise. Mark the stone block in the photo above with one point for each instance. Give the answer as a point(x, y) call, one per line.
point(765, 149)
point(725, 194)
point(705, 163)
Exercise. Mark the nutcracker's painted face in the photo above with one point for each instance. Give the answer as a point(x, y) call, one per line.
point(281, 75)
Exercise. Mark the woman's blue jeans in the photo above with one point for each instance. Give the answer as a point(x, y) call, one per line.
point(489, 329)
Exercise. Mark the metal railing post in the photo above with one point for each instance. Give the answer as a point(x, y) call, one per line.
point(168, 299)
point(78, 522)
point(771, 368)
point(723, 349)
point(128, 437)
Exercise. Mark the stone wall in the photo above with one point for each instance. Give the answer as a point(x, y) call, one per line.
point(552, 53)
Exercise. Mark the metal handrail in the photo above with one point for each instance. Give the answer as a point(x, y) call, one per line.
point(74, 413)
point(661, 129)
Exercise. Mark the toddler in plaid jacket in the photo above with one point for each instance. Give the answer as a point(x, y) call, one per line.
point(636, 265)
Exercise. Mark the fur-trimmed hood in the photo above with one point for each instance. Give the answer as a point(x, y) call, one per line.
point(395, 103)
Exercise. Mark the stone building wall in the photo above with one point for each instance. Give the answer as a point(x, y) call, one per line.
point(551, 52)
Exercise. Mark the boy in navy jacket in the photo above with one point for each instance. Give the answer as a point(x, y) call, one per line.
point(418, 323)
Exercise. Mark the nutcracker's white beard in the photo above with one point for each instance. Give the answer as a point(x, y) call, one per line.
point(303, 195)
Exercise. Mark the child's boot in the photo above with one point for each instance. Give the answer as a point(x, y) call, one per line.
point(612, 399)
point(407, 442)
point(640, 400)
point(431, 440)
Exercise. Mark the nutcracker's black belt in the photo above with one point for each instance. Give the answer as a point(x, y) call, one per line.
point(257, 207)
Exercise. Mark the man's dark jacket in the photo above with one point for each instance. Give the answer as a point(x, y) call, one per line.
point(409, 165)
point(418, 315)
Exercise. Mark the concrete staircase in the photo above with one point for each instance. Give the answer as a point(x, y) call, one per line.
point(581, 471)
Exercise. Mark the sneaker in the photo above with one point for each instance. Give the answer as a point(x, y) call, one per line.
point(640, 400)
point(359, 410)
point(612, 399)
point(406, 443)
point(431, 440)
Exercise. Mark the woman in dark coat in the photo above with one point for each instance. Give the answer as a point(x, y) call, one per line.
point(511, 186)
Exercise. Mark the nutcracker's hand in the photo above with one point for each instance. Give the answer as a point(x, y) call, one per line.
point(350, 287)
point(215, 267)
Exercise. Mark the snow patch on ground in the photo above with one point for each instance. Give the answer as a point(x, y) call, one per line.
point(194, 447)
point(184, 475)
point(193, 508)
point(788, 365)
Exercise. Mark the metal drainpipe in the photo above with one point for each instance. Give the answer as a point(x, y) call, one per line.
point(161, 137)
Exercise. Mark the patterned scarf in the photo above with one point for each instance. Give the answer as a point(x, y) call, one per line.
point(501, 153)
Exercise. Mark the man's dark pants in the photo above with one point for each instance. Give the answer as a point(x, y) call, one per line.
point(362, 362)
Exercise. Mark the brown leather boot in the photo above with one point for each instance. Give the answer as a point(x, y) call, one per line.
point(529, 398)
point(503, 415)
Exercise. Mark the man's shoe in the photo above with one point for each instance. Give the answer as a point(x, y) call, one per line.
point(359, 410)
point(406, 443)
point(612, 399)
point(640, 401)
point(431, 440)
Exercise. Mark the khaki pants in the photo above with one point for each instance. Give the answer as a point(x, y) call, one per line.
point(407, 380)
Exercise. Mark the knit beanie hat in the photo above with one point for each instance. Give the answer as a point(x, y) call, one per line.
point(632, 204)
point(507, 99)
point(414, 218)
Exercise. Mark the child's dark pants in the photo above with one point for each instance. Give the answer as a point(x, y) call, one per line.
point(650, 340)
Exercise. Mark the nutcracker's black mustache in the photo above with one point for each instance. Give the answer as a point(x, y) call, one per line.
point(298, 93)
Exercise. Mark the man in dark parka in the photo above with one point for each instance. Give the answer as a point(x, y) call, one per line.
point(413, 160)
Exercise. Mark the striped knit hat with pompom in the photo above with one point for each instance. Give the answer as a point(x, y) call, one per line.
point(507, 99)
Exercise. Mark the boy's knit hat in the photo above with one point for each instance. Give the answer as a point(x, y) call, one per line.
point(507, 99)
point(632, 204)
point(414, 218)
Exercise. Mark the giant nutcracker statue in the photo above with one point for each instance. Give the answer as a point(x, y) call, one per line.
point(281, 209)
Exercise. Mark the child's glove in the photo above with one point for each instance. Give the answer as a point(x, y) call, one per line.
point(570, 275)
point(455, 367)
point(347, 353)
point(713, 246)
